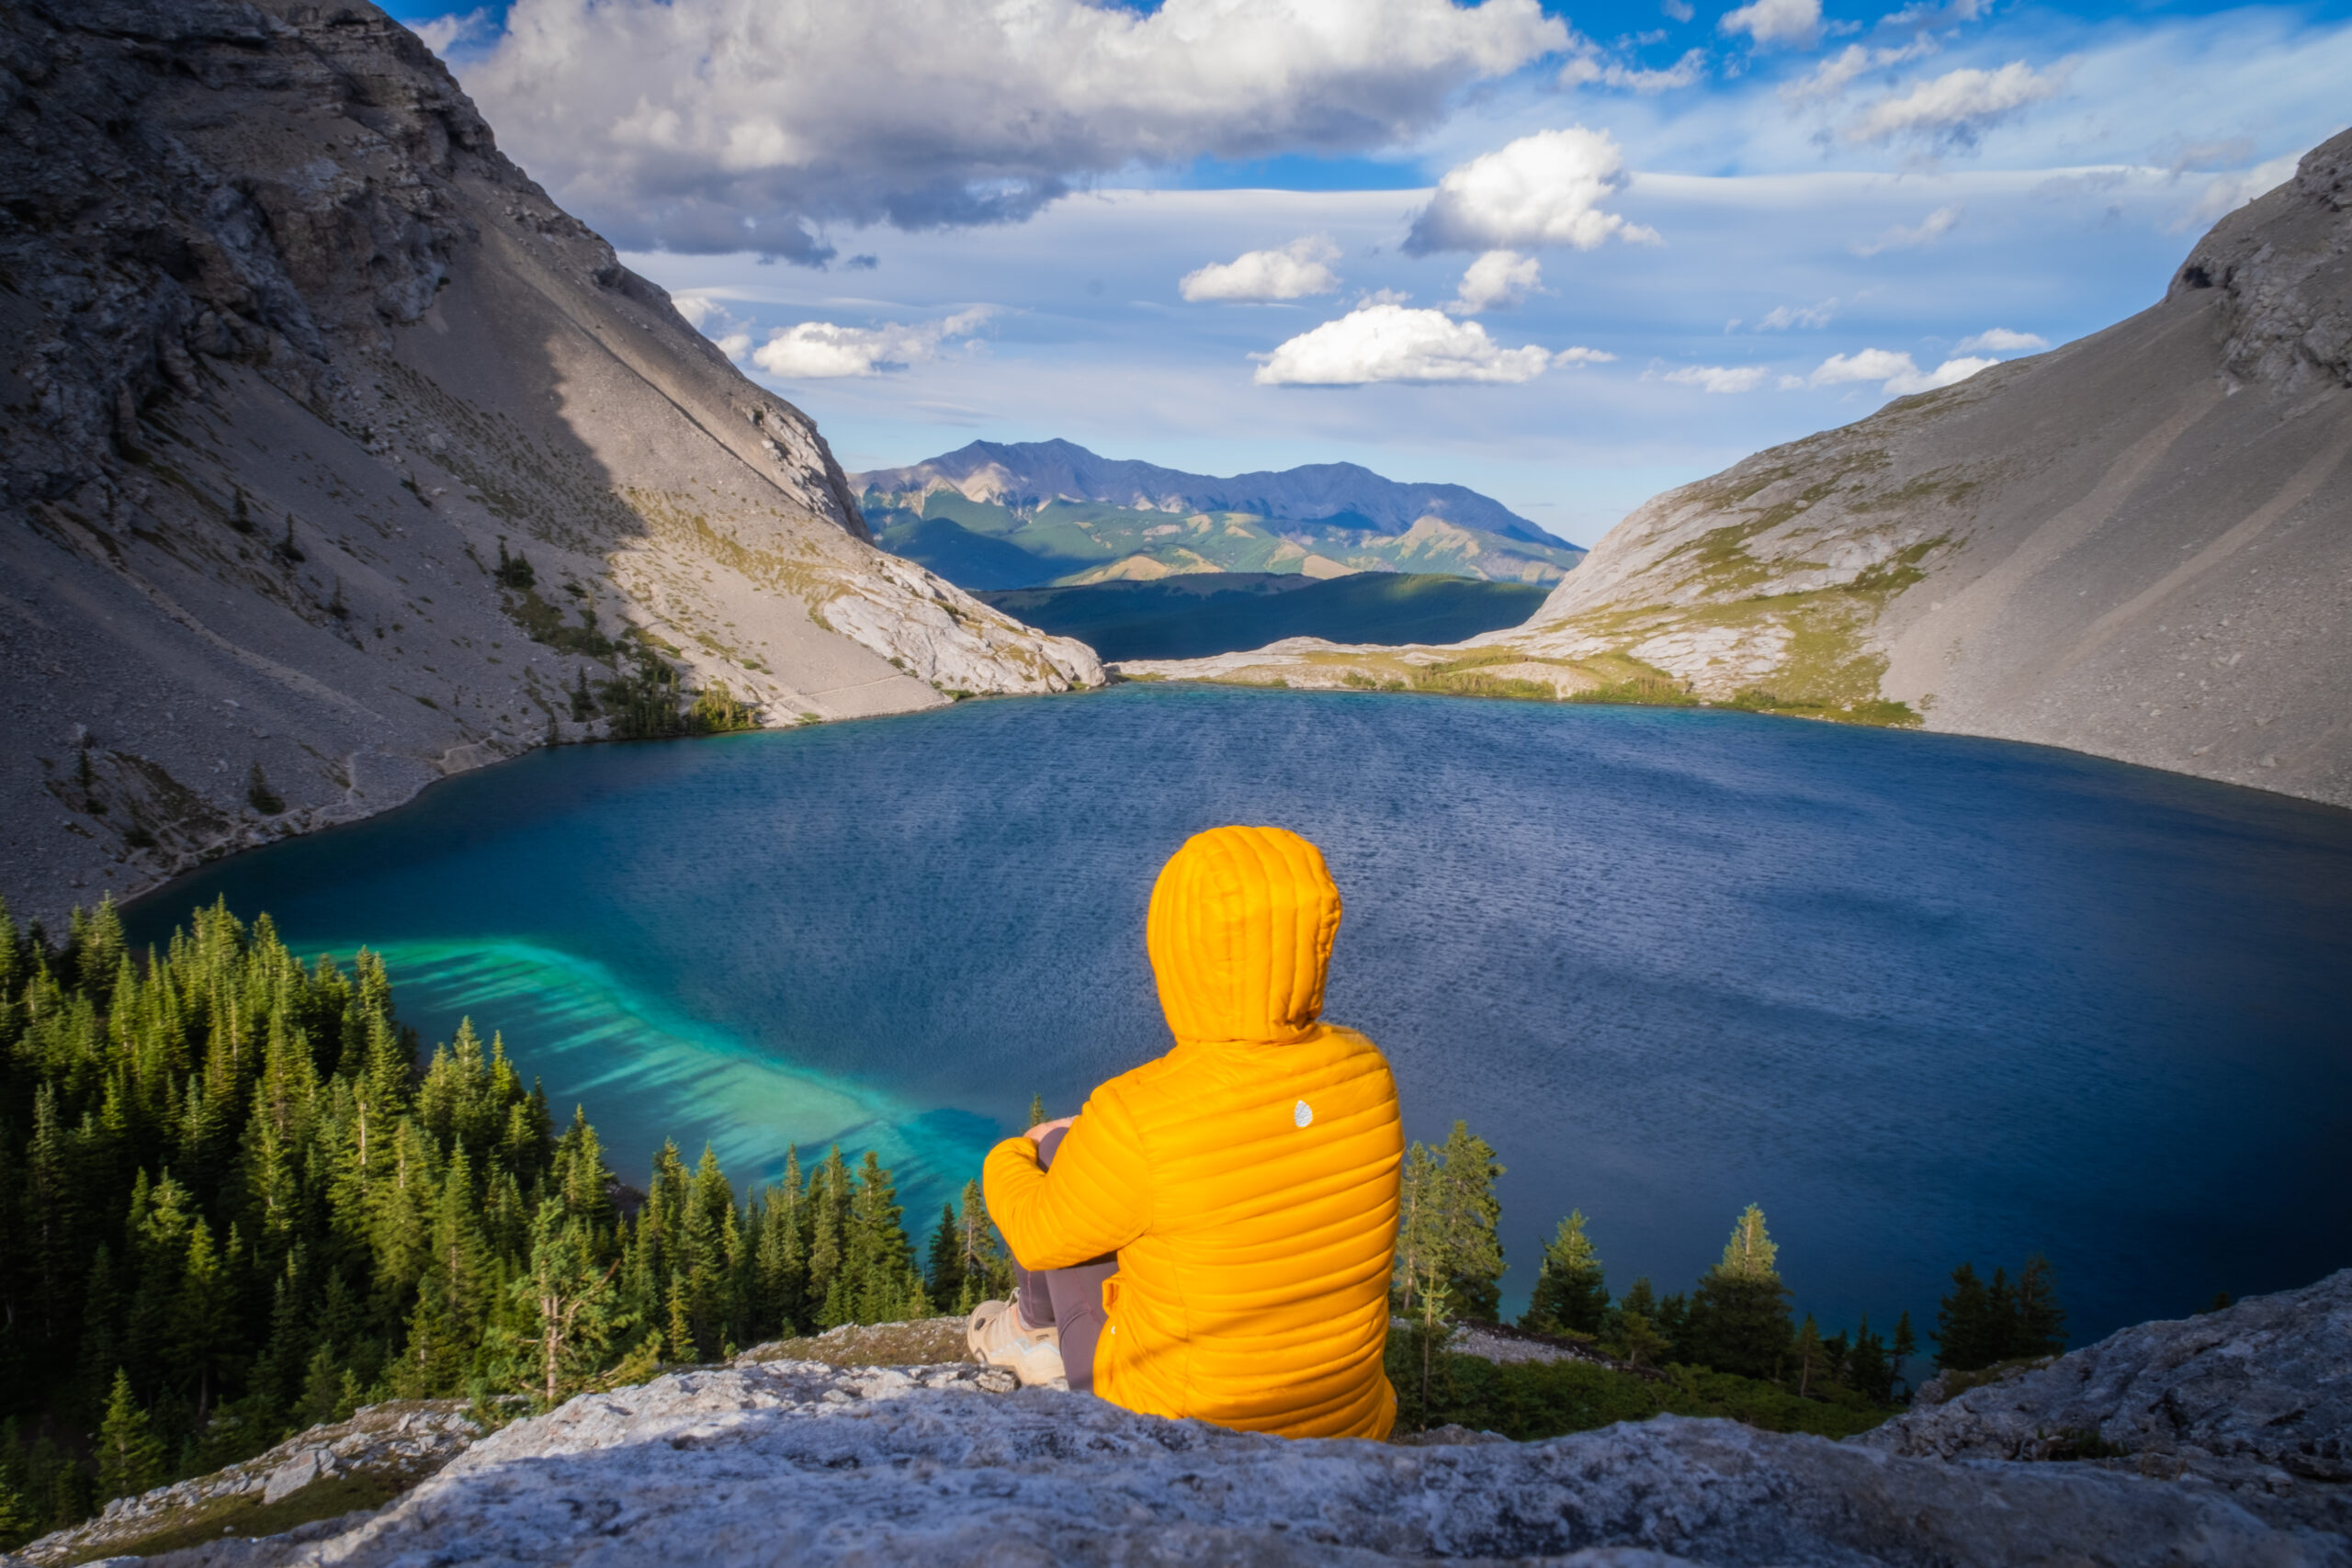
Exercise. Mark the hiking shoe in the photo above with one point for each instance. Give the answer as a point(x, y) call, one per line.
point(998, 1338)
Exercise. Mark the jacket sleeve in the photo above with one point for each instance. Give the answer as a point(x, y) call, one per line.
point(1095, 1201)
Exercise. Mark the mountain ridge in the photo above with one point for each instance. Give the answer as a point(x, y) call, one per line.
point(1029, 473)
point(296, 360)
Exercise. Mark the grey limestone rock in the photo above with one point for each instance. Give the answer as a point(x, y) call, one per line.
point(795, 1462)
point(2253, 1402)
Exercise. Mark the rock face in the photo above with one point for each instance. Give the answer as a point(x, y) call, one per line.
point(385, 1449)
point(2139, 545)
point(291, 351)
point(796, 1461)
point(2253, 1403)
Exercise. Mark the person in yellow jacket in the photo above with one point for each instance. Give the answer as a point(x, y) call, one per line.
point(1246, 1181)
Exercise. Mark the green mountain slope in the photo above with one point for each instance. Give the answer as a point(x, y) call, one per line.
point(1196, 615)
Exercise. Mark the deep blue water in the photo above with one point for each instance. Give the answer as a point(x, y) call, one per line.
point(1923, 998)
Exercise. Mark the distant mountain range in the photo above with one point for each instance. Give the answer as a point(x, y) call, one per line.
point(997, 515)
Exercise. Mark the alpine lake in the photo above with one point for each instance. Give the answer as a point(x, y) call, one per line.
point(1924, 998)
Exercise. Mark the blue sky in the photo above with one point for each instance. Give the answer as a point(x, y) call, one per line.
point(1567, 255)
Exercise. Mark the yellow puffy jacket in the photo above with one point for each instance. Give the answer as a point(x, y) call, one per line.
point(1247, 1180)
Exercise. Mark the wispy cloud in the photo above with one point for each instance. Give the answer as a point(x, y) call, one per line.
point(1720, 378)
point(2001, 340)
point(821, 350)
point(1790, 22)
point(1956, 108)
point(1901, 237)
point(1897, 374)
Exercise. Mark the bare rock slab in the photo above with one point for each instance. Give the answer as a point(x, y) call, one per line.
point(799, 1463)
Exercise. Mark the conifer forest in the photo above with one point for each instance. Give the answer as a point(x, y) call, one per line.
point(237, 1200)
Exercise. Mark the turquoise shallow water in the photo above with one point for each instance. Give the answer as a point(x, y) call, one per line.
point(1924, 998)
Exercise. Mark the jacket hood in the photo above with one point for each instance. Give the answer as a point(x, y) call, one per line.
point(1240, 935)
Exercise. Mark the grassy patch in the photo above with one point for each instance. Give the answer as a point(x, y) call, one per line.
point(927, 1342)
point(1874, 711)
point(1647, 690)
point(248, 1516)
point(1529, 1400)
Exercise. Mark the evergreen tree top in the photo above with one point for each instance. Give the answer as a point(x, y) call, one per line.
point(1750, 1254)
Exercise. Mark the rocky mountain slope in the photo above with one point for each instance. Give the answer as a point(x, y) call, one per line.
point(2223, 1442)
point(292, 353)
point(2139, 545)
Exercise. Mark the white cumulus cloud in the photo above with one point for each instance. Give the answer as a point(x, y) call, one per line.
point(819, 350)
point(1718, 377)
point(1956, 107)
point(1795, 22)
point(1496, 281)
point(2001, 340)
point(1901, 237)
point(1392, 343)
point(732, 125)
point(1538, 191)
point(1584, 357)
point(1897, 374)
point(1298, 269)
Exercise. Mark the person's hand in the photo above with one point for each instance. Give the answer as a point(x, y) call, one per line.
point(1037, 1134)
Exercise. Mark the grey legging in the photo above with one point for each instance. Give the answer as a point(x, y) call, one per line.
point(1069, 1300)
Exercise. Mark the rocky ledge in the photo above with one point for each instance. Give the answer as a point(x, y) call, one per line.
point(2217, 1440)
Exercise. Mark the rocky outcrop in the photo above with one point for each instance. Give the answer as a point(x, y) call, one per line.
point(2138, 545)
point(2232, 1431)
point(354, 1464)
point(293, 353)
point(2253, 1403)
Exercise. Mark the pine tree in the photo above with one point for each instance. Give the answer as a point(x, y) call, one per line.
point(1739, 1314)
point(1036, 1112)
point(130, 1459)
point(1571, 1294)
point(1967, 1335)
point(945, 1280)
point(1472, 1218)
point(1900, 1349)
point(569, 1297)
point(1810, 1357)
point(2041, 1321)
point(1869, 1370)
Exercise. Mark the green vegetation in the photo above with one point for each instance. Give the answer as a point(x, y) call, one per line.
point(1869, 711)
point(1530, 1400)
point(233, 1205)
point(1200, 613)
point(1980, 1326)
point(1729, 1348)
point(1643, 691)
